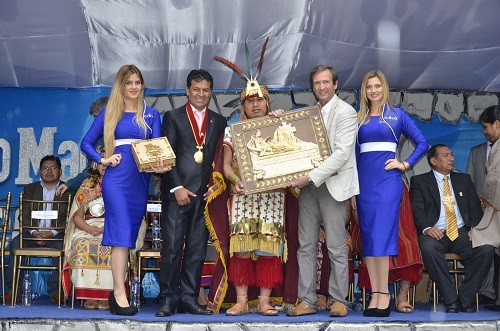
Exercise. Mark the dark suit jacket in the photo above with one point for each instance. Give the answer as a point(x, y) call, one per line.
point(477, 165)
point(34, 191)
point(426, 203)
point(193, 176)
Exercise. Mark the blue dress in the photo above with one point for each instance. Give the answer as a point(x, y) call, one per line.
point(124, 188)
point(380, 190)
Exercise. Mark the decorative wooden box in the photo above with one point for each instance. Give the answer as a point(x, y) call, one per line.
point(148, 152)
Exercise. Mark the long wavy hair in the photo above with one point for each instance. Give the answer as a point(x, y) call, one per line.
point(364, 102)
point(116, 106)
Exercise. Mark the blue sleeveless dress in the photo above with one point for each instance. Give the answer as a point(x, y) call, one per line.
point(124, 188)
point(381, 190)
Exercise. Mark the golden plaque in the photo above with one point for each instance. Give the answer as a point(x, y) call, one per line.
point(148, 152)
point(273, 152)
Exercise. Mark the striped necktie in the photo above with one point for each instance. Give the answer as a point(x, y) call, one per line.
point(449, 211)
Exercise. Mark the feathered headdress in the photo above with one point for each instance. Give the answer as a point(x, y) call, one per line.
point(253, 87)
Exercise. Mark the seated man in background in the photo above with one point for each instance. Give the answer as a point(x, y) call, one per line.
point(445, 206)
point(45, 189)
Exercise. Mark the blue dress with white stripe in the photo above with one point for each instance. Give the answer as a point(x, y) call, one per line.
point(380, 189)
point(124, 188)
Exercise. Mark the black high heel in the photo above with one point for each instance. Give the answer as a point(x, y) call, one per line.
point(116, 309)
point(370, 311)
point(385, 312)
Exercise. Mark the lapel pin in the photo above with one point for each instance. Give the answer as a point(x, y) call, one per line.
point(460, 194)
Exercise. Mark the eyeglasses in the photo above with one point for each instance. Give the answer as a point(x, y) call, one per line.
point(52, 168)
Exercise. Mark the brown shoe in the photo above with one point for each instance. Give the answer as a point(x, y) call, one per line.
point(338, 310)
point(301, 310)
point(54, 297)
point(8, 297)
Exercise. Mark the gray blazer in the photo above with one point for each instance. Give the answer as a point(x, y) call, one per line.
point(476, 165)
point(339, 170)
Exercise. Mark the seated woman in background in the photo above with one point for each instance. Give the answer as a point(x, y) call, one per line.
point(86, 260)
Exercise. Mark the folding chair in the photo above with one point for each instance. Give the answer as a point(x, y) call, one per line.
point(4, 219)
point(59, 216)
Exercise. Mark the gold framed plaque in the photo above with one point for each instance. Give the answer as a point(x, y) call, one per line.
point(148, 152)
point(272, 152)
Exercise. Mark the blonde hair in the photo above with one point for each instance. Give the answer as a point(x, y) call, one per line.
point(364, 103)
point(116, 106)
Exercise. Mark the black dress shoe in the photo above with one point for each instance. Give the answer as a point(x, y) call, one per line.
point(485, 300)
point(453, 307)
point(470, 308)
point(192, 308)
point(164, 310)
point(116, 309)
point(492, 307)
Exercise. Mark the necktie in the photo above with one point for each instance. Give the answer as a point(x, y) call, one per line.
point(449, 211)
point(199, 116)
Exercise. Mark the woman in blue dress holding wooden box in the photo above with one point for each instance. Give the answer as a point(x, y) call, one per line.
point(125, 119)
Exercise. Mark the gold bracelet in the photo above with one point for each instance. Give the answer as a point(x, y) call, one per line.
point(233, 178)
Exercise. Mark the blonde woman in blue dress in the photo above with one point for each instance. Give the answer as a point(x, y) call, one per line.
point(380, 181)
point(125, 119)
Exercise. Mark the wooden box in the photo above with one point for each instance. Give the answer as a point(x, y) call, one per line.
point(148, 152)
point(273, 152)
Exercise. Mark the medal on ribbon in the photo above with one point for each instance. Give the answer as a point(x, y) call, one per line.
point(198, 132)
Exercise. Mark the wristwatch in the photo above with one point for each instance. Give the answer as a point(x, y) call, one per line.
point(310, 181)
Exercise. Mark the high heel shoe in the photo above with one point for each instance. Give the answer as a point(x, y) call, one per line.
point(116, 309)
point(370, 311)
point(385, 312)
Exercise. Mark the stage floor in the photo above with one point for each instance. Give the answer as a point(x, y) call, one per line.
point(44, 315)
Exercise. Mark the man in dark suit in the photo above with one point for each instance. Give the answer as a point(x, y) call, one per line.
point(45, 189)
point(477, 164)
point(193, 131)
point(429, 198)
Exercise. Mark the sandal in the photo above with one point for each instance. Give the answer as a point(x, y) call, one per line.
point(267, 309)
point(90, 304)
point(403, 306)
point(103, 304)
point(237, 310)
point(321, 302)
